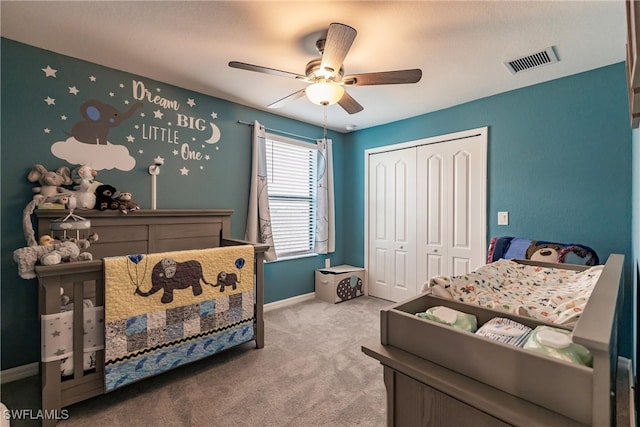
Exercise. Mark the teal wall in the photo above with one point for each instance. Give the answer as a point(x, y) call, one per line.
point(559, 161)
point(222, 181)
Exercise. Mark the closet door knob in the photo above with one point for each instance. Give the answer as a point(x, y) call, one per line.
point(435, 251)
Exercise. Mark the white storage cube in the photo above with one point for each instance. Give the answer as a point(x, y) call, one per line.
point(340, 283)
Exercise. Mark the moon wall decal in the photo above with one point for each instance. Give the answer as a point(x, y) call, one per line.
point(215, 134)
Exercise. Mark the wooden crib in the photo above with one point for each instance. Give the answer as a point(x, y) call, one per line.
point(144, 232)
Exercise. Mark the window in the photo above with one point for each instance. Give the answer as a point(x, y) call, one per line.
point(291, 172)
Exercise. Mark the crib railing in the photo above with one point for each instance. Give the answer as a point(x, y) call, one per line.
point(85, 280)
point(79, 280)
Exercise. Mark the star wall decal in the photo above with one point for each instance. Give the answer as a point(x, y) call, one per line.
point(158, 160)
point(191, 102)
point(214, 115)
point(73, 90)
point(50, 101)
point(184, 171)
point(49, 72)
point(130, 138)
point(158, 114)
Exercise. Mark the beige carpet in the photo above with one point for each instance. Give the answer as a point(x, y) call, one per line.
point(311, 372)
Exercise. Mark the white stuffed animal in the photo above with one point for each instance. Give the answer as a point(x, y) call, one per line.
point(85, 190)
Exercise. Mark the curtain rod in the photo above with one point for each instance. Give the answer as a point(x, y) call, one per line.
point(282, 132)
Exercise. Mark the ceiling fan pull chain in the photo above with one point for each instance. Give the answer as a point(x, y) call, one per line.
point(325, 122)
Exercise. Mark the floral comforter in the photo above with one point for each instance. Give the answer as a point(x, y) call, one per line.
point(548, 294)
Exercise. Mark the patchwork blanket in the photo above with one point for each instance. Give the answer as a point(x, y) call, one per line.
point(167, 309)
point(548, 294)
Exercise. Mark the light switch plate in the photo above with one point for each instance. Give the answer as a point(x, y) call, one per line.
point(503, 218)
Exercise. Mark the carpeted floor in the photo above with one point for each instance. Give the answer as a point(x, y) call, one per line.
point(311, 372)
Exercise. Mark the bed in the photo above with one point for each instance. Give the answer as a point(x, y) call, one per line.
point(129, 257)
point(439, 375)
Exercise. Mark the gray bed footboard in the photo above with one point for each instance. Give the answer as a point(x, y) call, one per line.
point(551, 390)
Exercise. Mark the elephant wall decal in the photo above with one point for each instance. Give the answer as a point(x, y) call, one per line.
point(98, 119)
point(227, 279)
point(169, 275)
point(349, 288)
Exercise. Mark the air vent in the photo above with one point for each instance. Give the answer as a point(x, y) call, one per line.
point(525, 63)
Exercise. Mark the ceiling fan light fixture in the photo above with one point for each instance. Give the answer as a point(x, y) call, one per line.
point(324, 93)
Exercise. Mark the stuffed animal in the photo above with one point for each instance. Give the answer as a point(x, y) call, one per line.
point(544, 251)
point(55, 253)
point(104, 197)
point(50, 182)
point(84, 192)
point(46, 240)
point(125, 202)
point(64, 300)
point(84, 177)
point(50, 190)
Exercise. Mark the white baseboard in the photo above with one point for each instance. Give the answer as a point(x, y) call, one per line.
point(25, 371)
point(289, 301)
point(19, 372)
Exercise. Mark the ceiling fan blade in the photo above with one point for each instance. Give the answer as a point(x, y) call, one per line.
point(339, 40)
point(349, 104)
point(384, 78)
point(281, 102)
point(266, 70)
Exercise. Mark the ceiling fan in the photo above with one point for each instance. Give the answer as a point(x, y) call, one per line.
point(326, 73)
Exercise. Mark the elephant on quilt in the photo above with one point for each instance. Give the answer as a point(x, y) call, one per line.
point(227, 279)
point(169, 275)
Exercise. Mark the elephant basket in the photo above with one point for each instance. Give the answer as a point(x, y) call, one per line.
point(341, 283)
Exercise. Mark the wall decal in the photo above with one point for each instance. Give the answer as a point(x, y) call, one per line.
point(98, 118)
point(109, 124)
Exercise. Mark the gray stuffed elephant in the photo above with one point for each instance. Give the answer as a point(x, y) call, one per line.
point(98, 119)
point(168, 275)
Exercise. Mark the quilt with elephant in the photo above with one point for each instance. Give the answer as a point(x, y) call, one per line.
point(164, 310)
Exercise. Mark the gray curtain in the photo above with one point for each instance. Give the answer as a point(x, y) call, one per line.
point(258, 217)
point(325, 212)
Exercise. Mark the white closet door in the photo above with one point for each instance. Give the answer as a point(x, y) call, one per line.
point(392, 217)
point(450, 198)
point(426, 212)
point(432, 222)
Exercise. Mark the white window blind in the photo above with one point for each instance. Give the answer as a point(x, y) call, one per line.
point(291, 171)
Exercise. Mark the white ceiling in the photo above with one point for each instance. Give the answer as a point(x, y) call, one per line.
point(460, 46)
